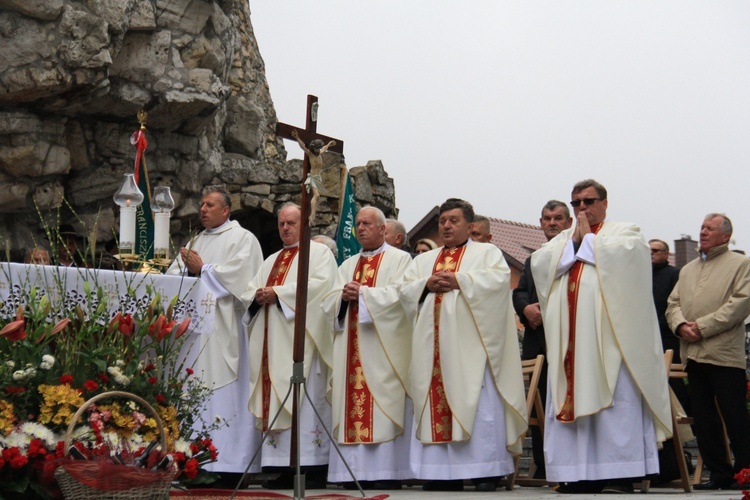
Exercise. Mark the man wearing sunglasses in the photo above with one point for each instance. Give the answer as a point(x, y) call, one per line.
point(607, 404)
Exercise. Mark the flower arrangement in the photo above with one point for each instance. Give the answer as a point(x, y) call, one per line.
point(56, 355)
point(743, 477)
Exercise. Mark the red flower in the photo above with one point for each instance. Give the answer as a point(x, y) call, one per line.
point(124, 324)
point(194, 448)
point(189, 371)
point(66, 379)
point(182, 328)
point(149, 367)
point(13, 390)
point(160, 398)
point(15, 330)
point(179, 457)
point(103, 378)
point(90, 385)
point(152, 380)
point(36, 449)
point(160, 328)
point(191, 468)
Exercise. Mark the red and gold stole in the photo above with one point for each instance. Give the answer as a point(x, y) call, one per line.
point(358, 400)
point(441, 416)
point(277, 277)
point(567, 413)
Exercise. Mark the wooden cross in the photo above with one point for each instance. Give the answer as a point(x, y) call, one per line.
point(303, 264)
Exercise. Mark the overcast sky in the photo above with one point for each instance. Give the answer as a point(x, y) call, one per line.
point(508, 103)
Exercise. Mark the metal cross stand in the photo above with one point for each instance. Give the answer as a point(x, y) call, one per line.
point(300, 318)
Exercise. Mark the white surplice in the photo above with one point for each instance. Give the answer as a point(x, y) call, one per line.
point(384, 339)
point(480, 363)
point(231, 257)
point(314, 443)
point(616, 331)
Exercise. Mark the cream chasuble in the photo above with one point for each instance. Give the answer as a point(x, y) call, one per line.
point(371, 359)
point(470, 329)
point(615, 323)
point(271, 331)
point(233, 256)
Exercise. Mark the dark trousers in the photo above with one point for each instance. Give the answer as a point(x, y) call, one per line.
point(727, 386)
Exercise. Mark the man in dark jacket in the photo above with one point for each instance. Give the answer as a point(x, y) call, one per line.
point(555, 219)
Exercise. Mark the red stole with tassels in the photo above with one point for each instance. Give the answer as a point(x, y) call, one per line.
point(567, 413)
point(441, 416)
point(277, 277)
point(358, 406)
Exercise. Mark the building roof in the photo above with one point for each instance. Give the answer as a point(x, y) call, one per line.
point(516, 239)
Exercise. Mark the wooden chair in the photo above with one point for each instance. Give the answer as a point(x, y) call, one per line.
point(532, 371)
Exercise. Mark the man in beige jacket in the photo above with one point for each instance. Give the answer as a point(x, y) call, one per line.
point(707, 310)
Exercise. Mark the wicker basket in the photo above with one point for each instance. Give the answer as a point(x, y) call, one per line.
point(113, 481)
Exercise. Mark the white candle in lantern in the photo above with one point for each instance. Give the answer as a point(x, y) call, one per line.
point(162, 205)
point(128, 197)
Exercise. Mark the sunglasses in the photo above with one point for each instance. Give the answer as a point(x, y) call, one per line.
point(587, 201)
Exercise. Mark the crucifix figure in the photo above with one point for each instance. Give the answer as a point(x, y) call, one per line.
point(306, 135)
point(314, 181)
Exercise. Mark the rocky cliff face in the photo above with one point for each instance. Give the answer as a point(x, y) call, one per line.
point(74, 74)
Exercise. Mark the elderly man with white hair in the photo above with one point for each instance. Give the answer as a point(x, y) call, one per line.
point(372, 414)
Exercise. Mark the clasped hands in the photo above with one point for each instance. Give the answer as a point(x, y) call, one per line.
point(689, 332)
point(582, 228)
point(265, 296)
point(441, 282)
point(192, 260)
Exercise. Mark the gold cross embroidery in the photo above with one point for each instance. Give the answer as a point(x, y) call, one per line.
point(444, 427)
point(448, 265)
point(357, 378)
point(208, 303)
point(358, 432)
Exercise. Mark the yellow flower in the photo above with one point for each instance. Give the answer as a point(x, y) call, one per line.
point(7, 418)
point(59, 403)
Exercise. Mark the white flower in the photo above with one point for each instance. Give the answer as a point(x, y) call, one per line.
point(218, 420)
point(10, 364)
point(119, 363)
point(141, 365)
point(185, 396)
point(45, 366)
point(30, 372)
point(48, 358)
point(37, 430)
point(183, 446)
point(122, 380)
point(19, 375)
point(114, 371)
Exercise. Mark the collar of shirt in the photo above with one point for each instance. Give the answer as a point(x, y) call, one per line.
point(371, 253)
point(217, 228)
point(292, 245)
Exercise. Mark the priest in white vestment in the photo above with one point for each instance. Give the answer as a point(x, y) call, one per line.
point(608, 401)
point(371, 353)
point(225, 257)
point(270, 299)
point(466, 381)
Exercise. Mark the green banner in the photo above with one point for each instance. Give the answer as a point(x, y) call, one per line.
point(346, 238)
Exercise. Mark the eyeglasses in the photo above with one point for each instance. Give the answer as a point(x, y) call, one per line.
point(587, 201)
point(656, 250)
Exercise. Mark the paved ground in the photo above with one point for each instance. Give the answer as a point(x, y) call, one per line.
point(416, 493)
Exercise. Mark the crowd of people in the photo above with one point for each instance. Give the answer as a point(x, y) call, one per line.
point(412, 363)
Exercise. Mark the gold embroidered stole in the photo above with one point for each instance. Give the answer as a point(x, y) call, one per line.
point(567, 413)
point(358, 415)
point(277, 277)
point(441, 416)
